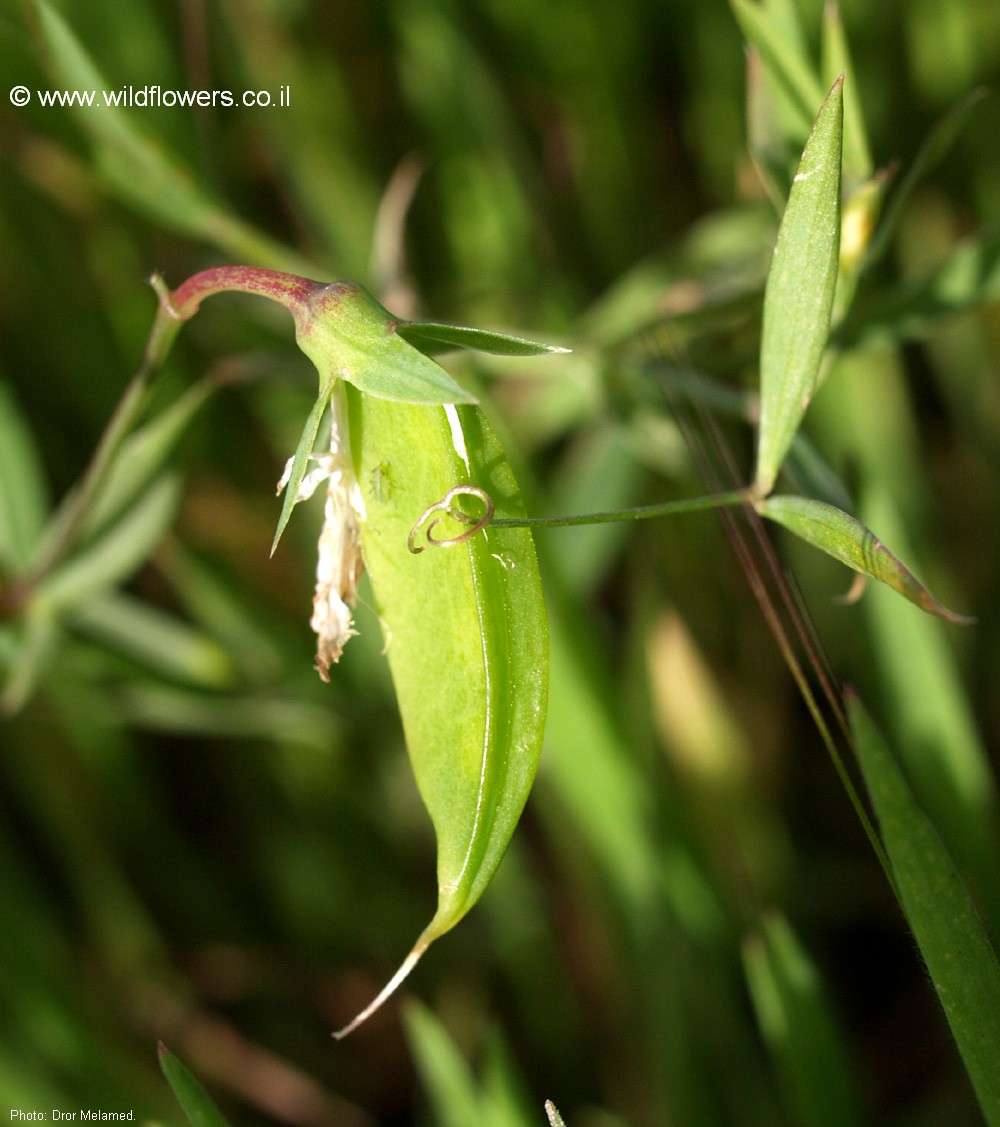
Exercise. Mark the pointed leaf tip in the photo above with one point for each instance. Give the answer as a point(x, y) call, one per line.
point(300, 460)
point(194, 1100)
point(432, 336)
point(386, 992)
point(846, 539)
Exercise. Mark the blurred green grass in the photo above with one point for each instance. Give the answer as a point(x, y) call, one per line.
point(218, 851)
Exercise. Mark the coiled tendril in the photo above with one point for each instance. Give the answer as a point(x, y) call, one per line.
point(447, 509)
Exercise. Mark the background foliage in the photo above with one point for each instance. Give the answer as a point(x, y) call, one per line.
point(203, 844)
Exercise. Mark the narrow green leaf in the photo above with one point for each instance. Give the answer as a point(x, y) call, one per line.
point(116, 554)
point(837, 61)
point(140, 170)
point(444, 1074)
point(785, 19)
point(163, 643)
point(798, 299)
point(954, 945)
point(930, 154)
point(192, 1097)
point(300, 460)
point(37, 644)
point(967, 278)
point(431, 336)
point(796, 1022)
point(923, 682)
point(767, 137)
point(507, 1101)
point(234, 617)
point(459, 1098)
point(783, 55)
point(465, 629)
point(144, 454)
point(23, 502)
point(846, 539)
point(259, 715)
point(346, 332)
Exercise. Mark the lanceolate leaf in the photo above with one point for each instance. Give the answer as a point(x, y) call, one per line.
point(961, 961)
point(846, 539)
point(465, 630)
point(431, 336)
point(798, 299)
point(300, 460)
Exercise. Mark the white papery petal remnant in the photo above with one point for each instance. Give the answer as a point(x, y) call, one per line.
point(339, 564)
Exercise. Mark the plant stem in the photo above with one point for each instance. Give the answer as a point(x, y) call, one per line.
point(72, 515)
point(289, 289)
point(639, 512)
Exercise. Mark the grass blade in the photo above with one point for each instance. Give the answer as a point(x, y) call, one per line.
point(143, 455)
point(837, 60)
point(192, 1097)
point(445, 1075)
point(954, 945)
point(117, 553)
point(157, 640)
point(782, 55)
point(23, 502)
point(933, 722)
point(799, 1029)
point(931, 153)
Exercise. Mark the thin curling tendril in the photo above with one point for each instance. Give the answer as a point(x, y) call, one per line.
point(446, 509)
